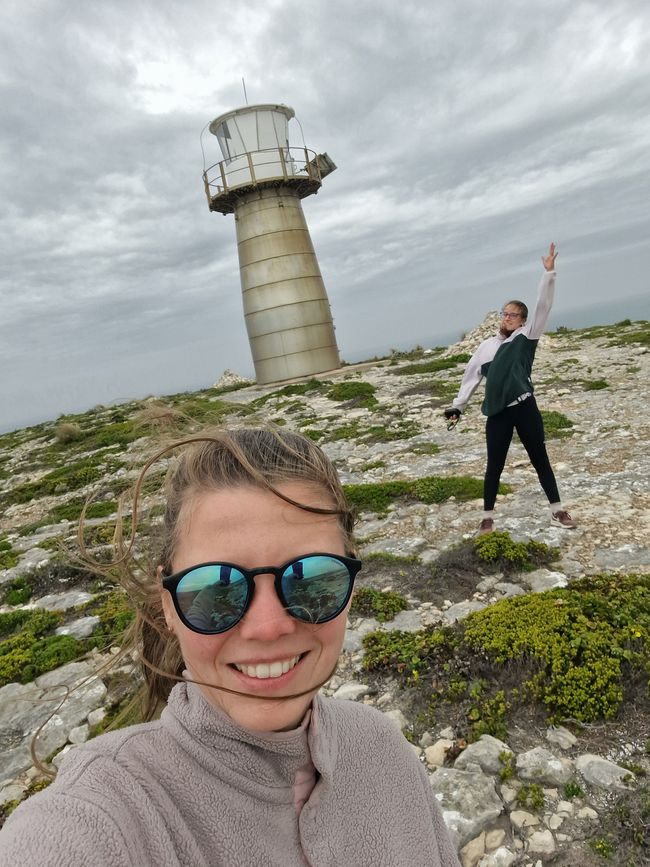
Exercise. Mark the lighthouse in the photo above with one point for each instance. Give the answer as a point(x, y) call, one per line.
point(262, 180)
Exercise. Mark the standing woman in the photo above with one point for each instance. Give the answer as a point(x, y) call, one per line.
point(238, 627)
point(506, 362)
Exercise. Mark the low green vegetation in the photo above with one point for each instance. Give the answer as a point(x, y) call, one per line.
point(556, 424)
point(434, 365)
point(312, 386)
point(69, 477)
point(530, 797)
point(16, 592)
point(30, 651)
point(8, 557)
point(572, 650)
point(362, 394)
point(501, 551)
point(428, 489)
point(115, 614)
point(382, 605)
point(594, 384)
point(372, 465)
point(71, 511)
point(426, 449)
point(572, 789)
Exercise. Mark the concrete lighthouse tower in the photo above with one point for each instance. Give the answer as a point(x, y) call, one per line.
point(262, 180)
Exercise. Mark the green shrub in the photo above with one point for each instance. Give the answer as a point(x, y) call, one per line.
point(572, 789)
point(67, 478)
point(383, 606)
point(31, 651)
point(499, 548)
point(594, 384)
point(428, 489)
point(531, 797)
point(67, 433)
point(115, 613)
point(71, 511)
point(363, 393)
point(572, 650)
point(556, 425)
point(434, 365)
point(17, 592)
point(405, 653)
point(8, 557)
point(10, 620)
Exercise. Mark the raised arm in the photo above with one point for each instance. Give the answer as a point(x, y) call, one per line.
point(536, 324)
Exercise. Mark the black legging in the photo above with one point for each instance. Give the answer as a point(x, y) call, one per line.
point(526, 419)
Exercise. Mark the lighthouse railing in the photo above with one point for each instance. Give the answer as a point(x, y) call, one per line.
point(255, 167)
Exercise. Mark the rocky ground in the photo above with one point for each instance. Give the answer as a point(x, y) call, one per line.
point(542, 794)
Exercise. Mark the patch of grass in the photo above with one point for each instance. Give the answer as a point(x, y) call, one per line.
point(556, 424)
point(69, 477)
point(499, 549)
point(361, 393)
point(67, 432)
point(426, 449)
point(312, 386)
point(16, 592)
point(397, 430)
point(572, 650)
point(594, 384)
point(603, 846)
point(115, 613)
point(428, 489)
point(391, 559)
point(8, 557)
point(383, 606)
point(407, 654)
point(31, 651)
point(530, 797)
point(372, 465)
point(572, 789)
point(508, 764)
point(71, 511)
point(433, 366)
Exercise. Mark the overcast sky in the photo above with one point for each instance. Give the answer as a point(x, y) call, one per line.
point(467, 135)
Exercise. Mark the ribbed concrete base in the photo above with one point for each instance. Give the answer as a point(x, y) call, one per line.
point(288, 317)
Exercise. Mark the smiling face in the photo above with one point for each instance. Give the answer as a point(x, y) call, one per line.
point(511, 319)
point(268, 653)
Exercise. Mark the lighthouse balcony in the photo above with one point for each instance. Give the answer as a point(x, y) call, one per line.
point(297, 168)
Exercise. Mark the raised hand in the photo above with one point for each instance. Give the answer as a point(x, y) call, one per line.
point(549, 261)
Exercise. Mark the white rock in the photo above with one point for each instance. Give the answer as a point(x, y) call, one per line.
point(352, 691)
point(521, 819)
point(79, 734)
point(541, 843)
point(435, 755)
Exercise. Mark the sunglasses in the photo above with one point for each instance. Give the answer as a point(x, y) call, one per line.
point(213, 597)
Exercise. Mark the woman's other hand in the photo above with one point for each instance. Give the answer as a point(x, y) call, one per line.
point(549, 261)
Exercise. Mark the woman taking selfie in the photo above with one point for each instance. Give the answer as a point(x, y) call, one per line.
point(238, 627)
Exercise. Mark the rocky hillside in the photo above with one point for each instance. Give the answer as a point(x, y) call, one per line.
point(536, 732)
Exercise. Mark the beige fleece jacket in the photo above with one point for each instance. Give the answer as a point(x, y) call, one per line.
point(196, 789)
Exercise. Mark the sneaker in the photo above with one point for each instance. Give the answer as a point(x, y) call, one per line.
point(564, 519)
point(487, 525)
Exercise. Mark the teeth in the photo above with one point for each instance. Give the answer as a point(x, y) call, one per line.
point(265, 670)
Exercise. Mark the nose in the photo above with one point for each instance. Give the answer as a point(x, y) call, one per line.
point(266, 618)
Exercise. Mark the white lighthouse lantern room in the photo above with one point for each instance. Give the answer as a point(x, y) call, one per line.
point(262, 180)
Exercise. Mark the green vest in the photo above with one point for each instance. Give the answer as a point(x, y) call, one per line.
point(507, 376)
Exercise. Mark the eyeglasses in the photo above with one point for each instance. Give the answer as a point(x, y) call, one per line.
point(506, 314)
point(213, 597)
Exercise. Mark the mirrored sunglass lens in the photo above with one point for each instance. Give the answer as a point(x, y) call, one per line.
point(212, 597)
point(315, 588)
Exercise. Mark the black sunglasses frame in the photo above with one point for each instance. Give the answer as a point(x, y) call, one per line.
point(171, 582)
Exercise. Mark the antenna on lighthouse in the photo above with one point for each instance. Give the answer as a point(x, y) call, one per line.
point(261, 180)
point(243, 84)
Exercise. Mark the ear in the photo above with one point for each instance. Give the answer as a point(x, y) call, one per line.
point(167, 604)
